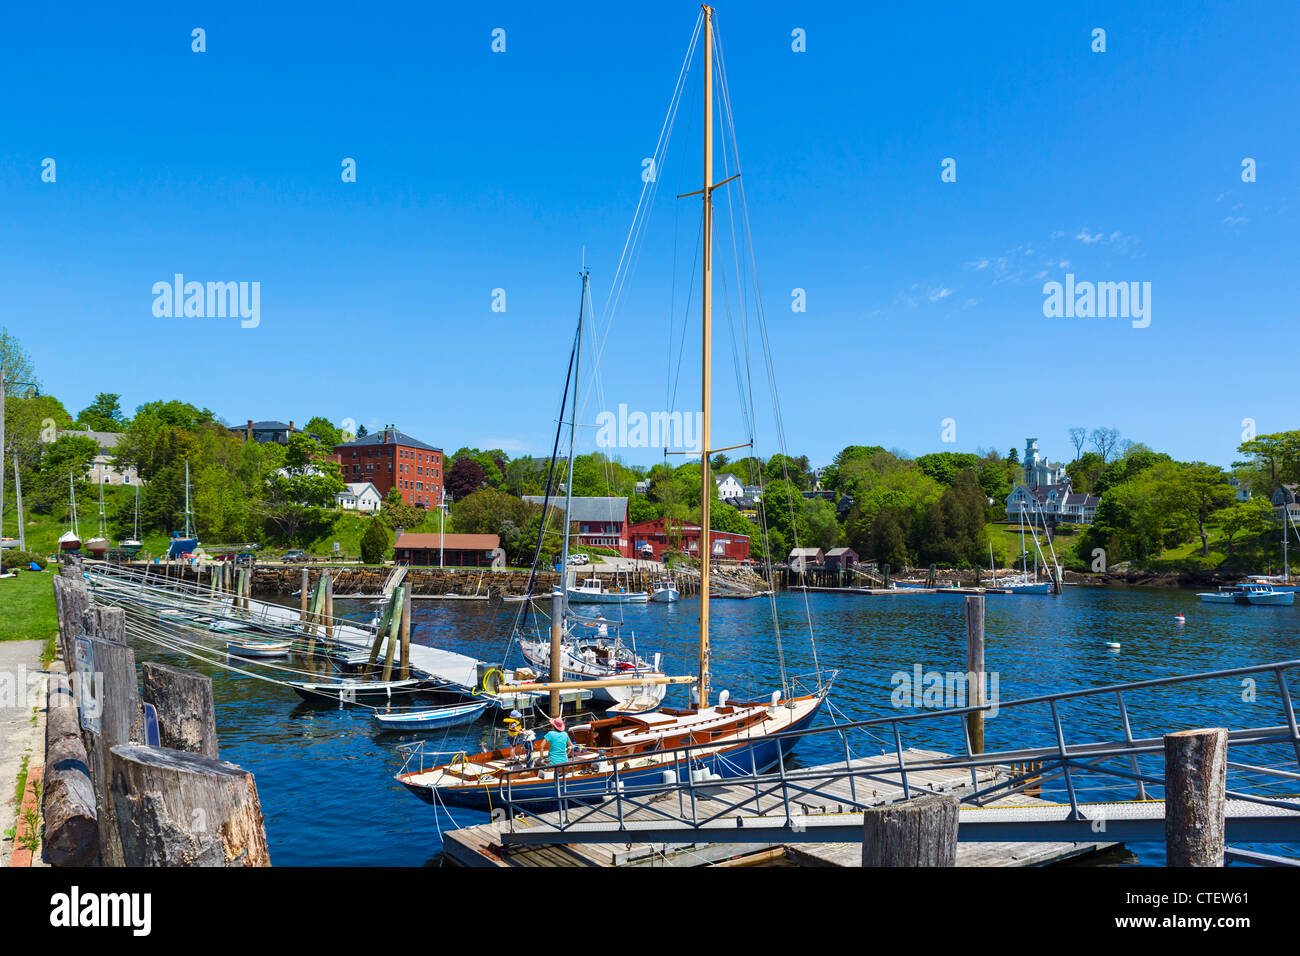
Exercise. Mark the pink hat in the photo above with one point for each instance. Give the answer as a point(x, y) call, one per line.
point(557, 723)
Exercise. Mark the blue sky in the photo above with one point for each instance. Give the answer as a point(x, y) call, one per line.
point(479, 170)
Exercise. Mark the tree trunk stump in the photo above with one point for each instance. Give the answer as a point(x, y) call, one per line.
point(186, 716)
point(1196, 774)
point(919, 832)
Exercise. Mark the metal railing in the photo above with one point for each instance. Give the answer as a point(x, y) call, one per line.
point(686, 799)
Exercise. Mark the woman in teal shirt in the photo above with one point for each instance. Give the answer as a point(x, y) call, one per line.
point(557, 742)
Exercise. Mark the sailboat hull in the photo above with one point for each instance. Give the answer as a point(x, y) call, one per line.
point(745, 757)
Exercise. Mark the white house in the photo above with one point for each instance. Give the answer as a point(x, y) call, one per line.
point(728, 486)
point(103, 467)
point(360, 496)
point(1041, 471)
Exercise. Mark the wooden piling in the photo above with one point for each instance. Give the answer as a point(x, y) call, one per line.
point(1196, 770)
point(71, 835)
point(186, 809)
point(329, 606)
point(399, 599)
point(406, 633)
point(304, 599)
point(975, 670)
point(918, 832)
point(186, 715)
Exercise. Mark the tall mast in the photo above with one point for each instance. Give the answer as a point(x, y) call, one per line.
point(187, 498)
point(573, 427)
point(707, 396)
point(135, 535)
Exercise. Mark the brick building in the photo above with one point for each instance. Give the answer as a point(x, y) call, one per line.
point(391, 459)
point(653, 538)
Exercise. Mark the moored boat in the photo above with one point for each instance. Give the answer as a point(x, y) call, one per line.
point(245, 648)
point(430, 718)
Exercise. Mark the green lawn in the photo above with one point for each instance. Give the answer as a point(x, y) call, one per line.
point(27, 608)
point(1005, 539)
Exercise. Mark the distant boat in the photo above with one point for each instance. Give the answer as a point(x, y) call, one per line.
point(187, 543)
point(664, 591)
point(1248, 594)
point(70, 540)
point(354, 691)
point(133, 544)
point(592, 591)
point(99, 544)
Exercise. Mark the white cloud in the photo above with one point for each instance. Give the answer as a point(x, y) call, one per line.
point(940, 293)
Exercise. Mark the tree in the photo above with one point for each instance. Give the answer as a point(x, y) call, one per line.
point(1276, 455)
point(1251, 517)
point(104, 414)
point(398, 514)
point(464, 478)
point(306, 482)
point(14, 362)
point(1078, 438)
point(1085, 471)
point(1199, 490)
point(325, 430)
point(362, 431)
point(374, 542)
point(1105, 440)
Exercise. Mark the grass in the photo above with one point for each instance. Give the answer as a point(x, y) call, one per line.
point(27, 608)
point(1005, 539)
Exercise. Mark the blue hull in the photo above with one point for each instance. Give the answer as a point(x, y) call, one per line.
point(739, 761)
point(179, 546)
point(435, 720)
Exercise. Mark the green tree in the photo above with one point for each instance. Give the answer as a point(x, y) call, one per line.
point(374, 542)
point(1199, 491)
point(329, 435)
point(1245, 518)
point(104, 414)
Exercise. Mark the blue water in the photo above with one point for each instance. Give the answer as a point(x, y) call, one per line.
point(325, 777)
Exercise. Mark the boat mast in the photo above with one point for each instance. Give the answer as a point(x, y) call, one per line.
point(187, 498)
point(135, 535)
point(573, 427)
point(707, 388)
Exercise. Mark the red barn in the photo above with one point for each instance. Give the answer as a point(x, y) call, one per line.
point(653, 538)
point(391, 459)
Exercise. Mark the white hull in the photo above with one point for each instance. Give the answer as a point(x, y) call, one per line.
point(638, 697)
point(665, 595)
point(583, 596)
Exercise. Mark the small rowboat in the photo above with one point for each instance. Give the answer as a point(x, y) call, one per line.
point(430, 719)
point(259, 648)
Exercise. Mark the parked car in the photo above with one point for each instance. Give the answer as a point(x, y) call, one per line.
point(245, 557)
point(291, 556)
point(579, 559)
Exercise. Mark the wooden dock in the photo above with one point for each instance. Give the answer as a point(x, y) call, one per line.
point(482, 846)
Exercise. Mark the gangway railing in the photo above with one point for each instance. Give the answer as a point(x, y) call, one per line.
point(1120, 779)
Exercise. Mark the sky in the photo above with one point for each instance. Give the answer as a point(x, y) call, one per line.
point(478, 170)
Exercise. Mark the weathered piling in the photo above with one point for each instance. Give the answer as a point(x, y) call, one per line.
point(186, 809)
point(1196, 773)
point(918, 832)
point(975, 670)
point(71, 836)
point(186, 714)
point(406, 633)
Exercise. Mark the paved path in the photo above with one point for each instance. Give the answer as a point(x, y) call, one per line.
point(20, 662)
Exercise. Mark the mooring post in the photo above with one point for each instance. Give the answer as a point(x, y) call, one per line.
point(975, 670)
point(186, 715)
point(406, 632)
point(1196, 774)
point(329, 606)
point(399, 598)
point(303, 599)
point(185, 809)
point(917, 832)
point(555, 666)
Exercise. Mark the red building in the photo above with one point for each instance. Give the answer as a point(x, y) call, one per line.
point(391, 459)
point(602, 522)
point(449, 551)
point(653, 538)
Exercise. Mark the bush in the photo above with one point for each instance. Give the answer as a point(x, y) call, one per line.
point(374, 542)
point(20, 559)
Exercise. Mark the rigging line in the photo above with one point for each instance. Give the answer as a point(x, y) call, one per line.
point(686, 318)
point(648, 193)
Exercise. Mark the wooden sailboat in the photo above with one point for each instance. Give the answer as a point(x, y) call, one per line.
point(70, 540)
point(739, 737)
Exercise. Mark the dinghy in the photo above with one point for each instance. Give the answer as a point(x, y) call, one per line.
point(434, 718)
point(259, 648)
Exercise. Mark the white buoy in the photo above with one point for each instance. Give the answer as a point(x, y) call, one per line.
point(1179, 617)
point(1113, 645)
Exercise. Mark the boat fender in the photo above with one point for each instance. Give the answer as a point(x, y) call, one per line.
point(670, 777)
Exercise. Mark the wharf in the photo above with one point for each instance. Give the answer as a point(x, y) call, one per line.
point(482, 845)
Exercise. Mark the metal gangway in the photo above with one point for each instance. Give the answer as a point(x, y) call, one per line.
point(1084, 786)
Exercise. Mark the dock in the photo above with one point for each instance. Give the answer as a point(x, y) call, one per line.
point(483, 846)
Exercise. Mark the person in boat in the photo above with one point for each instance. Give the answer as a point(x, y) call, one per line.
point(520, 736)
point(557, 742)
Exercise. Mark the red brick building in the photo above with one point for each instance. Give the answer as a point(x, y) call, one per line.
point(391, 459)
point(654, 538)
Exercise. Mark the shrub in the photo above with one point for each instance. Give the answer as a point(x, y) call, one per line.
point(20, 559)
point(374, 542)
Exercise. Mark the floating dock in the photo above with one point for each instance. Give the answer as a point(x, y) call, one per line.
point(482, 845)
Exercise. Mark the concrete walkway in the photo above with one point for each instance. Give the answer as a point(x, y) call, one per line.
point(20, 683)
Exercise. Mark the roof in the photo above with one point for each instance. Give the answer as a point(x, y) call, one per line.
point(395, 437)
point(268, 427)
point(724, 476)
point(455, 542)
point(103, 439)
point(805, 552)
point(588, 509)
point(835, 552)
point(358, 488)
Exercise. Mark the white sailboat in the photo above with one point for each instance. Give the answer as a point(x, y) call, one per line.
point(100, 543)
point(133, 544)
point(70, 540)
point(737, 738)
point(187, 543)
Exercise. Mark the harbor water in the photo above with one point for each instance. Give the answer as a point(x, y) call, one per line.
point(325, 775)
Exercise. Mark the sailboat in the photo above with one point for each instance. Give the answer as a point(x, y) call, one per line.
point(1023, 583)
point(70, 540)
point(133, 544)
point(738, 738)
point(99, 544)
point(589, 653)
point(187, 543)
